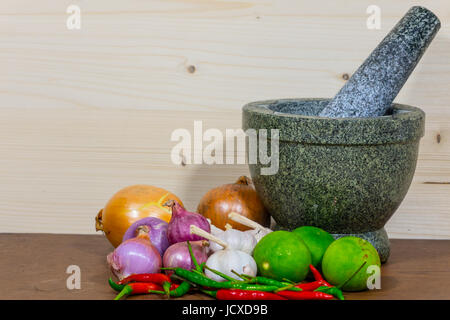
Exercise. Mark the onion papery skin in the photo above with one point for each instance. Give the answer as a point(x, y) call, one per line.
point(181, 221)
point(177, 255)
point(158, 232)
point(135, 256)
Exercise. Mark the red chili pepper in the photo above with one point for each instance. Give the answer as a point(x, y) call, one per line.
point(240, 294)
point(138, 288)
point(158, 278)
point(315, 272)
point(305, 295)
point(318, 276)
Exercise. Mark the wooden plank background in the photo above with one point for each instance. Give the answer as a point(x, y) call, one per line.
point(86, 112)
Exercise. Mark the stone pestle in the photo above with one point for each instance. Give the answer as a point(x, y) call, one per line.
point(373, 87)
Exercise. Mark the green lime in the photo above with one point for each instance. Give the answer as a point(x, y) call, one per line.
point(317, 241)
point(282, 254)
point(343, 258)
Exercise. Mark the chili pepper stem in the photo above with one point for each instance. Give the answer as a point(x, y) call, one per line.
point(223, 275)
point(125, 291)
point(179, 291)
point(336, 292)
point(166, 287)
point(196, 271)
point(239, 275)
point(156, 291)
point(246, 278)
point(194, 260)
point(286, 288)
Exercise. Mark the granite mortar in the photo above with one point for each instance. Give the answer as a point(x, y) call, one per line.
point(345, 175)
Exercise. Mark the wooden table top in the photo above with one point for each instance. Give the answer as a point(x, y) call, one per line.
point(33, 266)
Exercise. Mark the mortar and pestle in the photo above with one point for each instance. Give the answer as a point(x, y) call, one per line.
point(345, 164)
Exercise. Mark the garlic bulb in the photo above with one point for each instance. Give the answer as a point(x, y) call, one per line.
point(258, 231)
point(214, 230)
point(258, 234)
point(236, 240)
point(227, 260)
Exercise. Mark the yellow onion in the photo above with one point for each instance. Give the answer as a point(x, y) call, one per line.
point(239, 197)
point(130, 205)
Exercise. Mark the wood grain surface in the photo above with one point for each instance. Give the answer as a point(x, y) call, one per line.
point(86, 112)
point(33, 266)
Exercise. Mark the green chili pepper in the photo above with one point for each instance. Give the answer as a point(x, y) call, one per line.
point(202, 280)
point(115, 286)
point(268, 281)
point(190, 276)
point(336, 292)
point(271, 282)
point(246, 286)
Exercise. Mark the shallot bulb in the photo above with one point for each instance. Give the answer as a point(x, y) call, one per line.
point(179, 224)
point(134, 256)
point(158, 232)
point(177, 255)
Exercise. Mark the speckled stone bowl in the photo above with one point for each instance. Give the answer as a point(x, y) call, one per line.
point(345, 175)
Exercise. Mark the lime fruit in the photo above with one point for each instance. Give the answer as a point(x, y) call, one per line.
point(343, 258)
point(282, 254)
point(317, 241)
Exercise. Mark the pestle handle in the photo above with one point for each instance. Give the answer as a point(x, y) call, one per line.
point(373, 87)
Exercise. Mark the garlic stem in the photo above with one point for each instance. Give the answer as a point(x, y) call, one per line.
point(245, 221)
point(202, 233)
point(228, 226)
